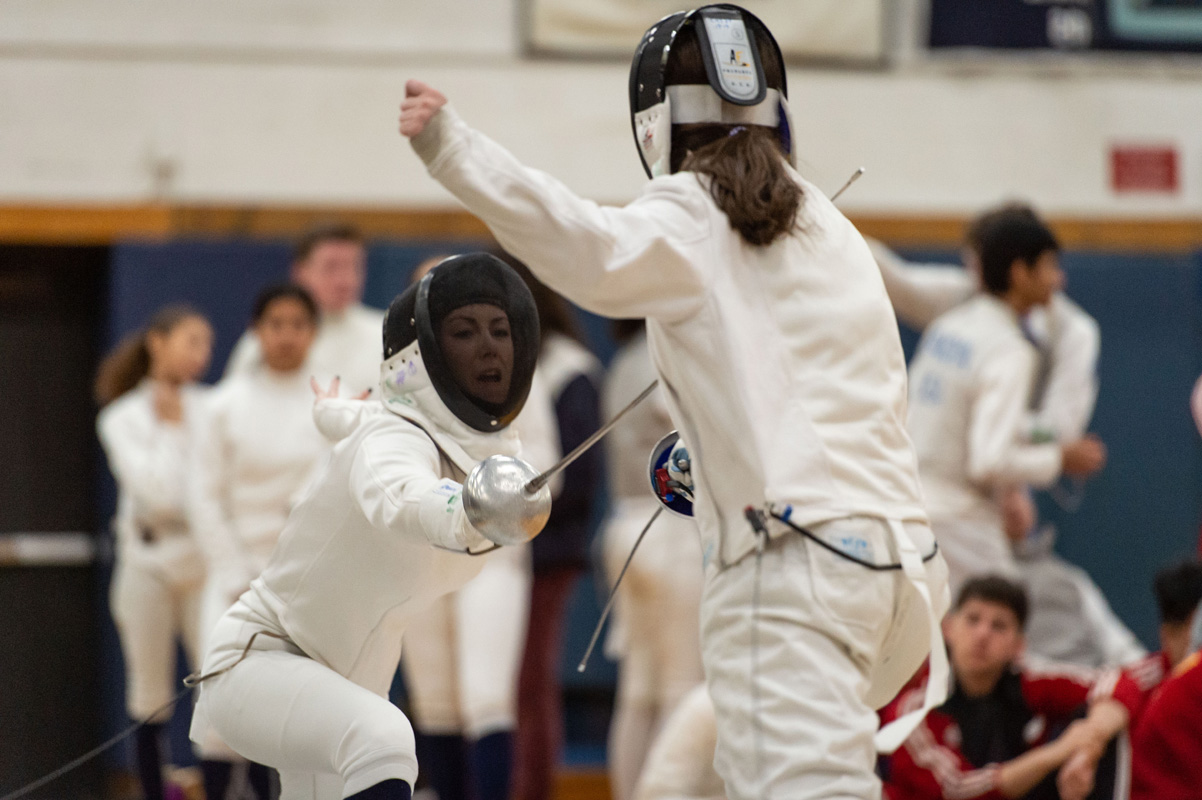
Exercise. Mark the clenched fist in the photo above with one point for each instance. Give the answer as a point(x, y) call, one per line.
point(420, 104)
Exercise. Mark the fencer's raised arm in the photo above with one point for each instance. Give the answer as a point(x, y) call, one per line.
point(395, 480)
point(997, 454)
point(920, 292)
point(596, 256)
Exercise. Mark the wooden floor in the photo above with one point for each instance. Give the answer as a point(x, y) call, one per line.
point(582, 785)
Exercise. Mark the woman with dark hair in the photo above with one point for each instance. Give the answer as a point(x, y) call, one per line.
point(780, 359)
point(462, 655)
point(148, 427)
point(257, 449)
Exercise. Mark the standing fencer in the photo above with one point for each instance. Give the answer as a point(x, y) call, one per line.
point(462, 654)
point(257, 449)
point(654, 629)
point(148, 427)
point(780, 358)
point(1070, 619)
point(330, 262)
point(306, 656)
point(970, 382)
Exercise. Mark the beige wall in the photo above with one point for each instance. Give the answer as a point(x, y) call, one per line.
point(290, 104)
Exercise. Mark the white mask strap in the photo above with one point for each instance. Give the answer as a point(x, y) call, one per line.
point(698, 102)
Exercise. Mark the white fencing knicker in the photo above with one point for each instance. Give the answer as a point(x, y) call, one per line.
point(830, 637)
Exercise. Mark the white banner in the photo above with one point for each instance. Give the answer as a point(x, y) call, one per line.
point(843, 30)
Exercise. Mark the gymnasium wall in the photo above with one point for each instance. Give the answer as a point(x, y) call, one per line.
point(295, 103)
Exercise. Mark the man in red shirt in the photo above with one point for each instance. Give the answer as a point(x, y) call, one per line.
point(993, 738)
point(1167, 744)
point(1178, 591)
point(1167, 740)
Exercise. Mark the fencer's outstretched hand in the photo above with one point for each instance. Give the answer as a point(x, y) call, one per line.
point(420, 104)
point(319, 393)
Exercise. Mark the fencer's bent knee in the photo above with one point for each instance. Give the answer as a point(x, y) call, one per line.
point(376, 750)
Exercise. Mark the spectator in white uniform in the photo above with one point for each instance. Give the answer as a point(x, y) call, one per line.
point(1070, 620)
point(330, 262)
point(654, 627)
point(152, 407)
point(970, 382)
point(462, 655)
point(305, 658)
point(779, 354)
point(257, 450)
point(1066, 337)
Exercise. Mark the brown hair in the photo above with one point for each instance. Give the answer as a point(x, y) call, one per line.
point(997, 590)
point(319, 234)
point(129, 362)
point(745, 164)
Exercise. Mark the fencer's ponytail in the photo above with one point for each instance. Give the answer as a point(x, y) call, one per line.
point(129, 362)
point(748, 180)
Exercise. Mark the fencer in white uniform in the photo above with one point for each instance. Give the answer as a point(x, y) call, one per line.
point(462, 654)
point(378, 537)
point(257, 449)
point(654, 628)
point(148, 427)
point(1067, 338)
point(1070, 620)
point(330, 262)
point(970, 384)
point(781, 362)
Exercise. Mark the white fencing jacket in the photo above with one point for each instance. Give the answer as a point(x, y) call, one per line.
point(380, 533)
point(1067, 336)
point(149, 459)
point(782, 365)
point(348, 345)
point(969, 383)
point(258, 448)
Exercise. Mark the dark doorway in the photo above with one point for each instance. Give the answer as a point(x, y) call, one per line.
point(52, 301)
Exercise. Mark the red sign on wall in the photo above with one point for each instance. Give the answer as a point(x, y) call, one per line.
point(1144, 168)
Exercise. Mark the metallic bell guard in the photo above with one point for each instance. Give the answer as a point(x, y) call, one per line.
point(508, 502)
point(498, 503)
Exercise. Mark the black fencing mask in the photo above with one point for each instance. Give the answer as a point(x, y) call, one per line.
point(417, 314)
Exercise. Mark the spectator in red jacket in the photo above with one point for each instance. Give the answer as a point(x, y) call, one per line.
point(1178, 591)
point(1167, 744)
point(996, 736)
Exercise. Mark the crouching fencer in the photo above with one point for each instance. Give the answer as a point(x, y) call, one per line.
point(305, 658)
point(779, 355)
